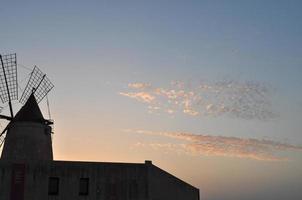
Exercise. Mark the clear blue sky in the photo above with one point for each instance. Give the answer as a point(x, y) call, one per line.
point(115, 63)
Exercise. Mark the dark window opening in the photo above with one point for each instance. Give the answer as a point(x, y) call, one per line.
point(53, 186)
point(84, 186)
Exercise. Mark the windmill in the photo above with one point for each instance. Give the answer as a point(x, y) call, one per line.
point(38, 85)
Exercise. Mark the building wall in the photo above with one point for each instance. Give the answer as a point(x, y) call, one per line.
point(107, 181)
point(163, 185)
point(5, 180)
point(28, 141)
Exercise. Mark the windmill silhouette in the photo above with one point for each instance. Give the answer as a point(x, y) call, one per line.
point(37, 86)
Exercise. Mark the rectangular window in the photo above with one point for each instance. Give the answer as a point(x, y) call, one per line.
point(53, 186)
point(84, 186)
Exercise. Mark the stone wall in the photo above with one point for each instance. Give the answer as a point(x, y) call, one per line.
point(27, 141)
point(106, 181)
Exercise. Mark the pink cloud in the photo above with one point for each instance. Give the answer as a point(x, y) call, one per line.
point(266, 150)
point(245, 100)
point(140, 96)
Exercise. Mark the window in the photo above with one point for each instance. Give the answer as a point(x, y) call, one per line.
point(53, 186)
point(84, 186)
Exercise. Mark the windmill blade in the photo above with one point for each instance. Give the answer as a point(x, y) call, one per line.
point(8, 78)
point(2, 136)
point(39, 84)
point(2, 139)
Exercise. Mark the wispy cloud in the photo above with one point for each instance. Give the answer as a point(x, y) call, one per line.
point(140, 96)
point(245, 100)
point(139, 85)
point(265, 150)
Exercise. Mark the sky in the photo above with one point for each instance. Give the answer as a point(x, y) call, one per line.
point(208, 90)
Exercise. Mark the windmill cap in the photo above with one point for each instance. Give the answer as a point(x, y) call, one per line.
point(30, 111)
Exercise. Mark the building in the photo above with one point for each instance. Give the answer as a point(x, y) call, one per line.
point(28, 171)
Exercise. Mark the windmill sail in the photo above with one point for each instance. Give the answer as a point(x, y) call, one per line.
point(8, 78)
point(39, 84)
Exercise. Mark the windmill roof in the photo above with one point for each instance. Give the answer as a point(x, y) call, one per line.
point(30, 111)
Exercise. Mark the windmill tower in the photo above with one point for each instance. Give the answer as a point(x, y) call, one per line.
point(28, 135)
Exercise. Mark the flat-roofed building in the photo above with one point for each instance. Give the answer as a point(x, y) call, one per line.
point(28, 171)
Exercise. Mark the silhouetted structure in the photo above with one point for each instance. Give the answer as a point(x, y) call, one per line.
point(28, 136)
point(28, 171)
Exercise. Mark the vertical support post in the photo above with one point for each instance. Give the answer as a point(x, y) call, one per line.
point(8, 94)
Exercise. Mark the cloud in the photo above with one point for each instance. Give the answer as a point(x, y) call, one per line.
point(139, 85)
point(265, 150)
point(244, 100)
point(140, 96)
point(165, 148)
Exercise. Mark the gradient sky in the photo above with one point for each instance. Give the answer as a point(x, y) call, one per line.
point(208, 90)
